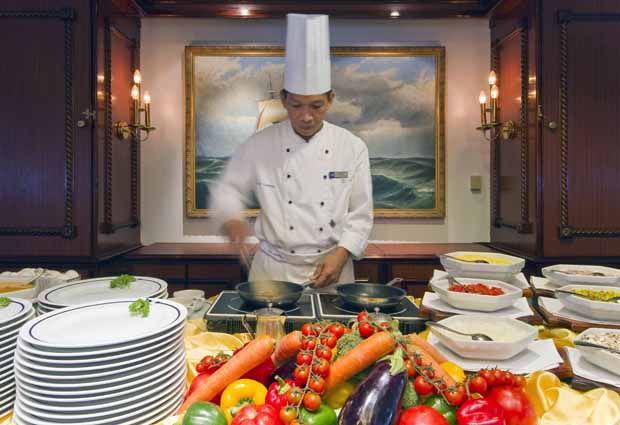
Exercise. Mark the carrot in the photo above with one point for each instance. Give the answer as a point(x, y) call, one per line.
point(359, 358)
point(250, 356)
point(287, 347)
point(422, 343)
point(429, 361)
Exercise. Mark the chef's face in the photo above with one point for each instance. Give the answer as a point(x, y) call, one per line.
point(306, 112)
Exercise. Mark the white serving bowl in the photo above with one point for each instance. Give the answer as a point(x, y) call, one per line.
point(502, 272)
point(600, 310)
point(510, 336)
point(555, 275)
point(477, 302)
point(602, 358)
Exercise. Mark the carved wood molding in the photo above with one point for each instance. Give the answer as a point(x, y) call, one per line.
point(524, 226)
point(68, 229)
point(566, 231)
point(107, 226)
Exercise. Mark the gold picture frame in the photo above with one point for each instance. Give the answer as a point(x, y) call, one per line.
point(399, 175)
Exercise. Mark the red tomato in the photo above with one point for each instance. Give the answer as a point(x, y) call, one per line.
point(307, 330)
point(421, 386)
point(253, 414)
point(324, 353)
point(366, 330)
point(362, 316)
point(331, 341)
point(478, 384)
point(488, 376)
point(422, 415)
point(321, 367)
point(317, 384)
point(348, 330)
point(311, 401)
point(520, 381)
point(517, 408)
point(410, 369)
point(336, 329)
point(500, 379)
point(293, 396)
point(456, 396)
point(308, 343)
point(301, 375)
point(288, 414)
point(304, 358)
point(509, 378)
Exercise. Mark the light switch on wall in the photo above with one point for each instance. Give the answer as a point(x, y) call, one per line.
point(475, 183)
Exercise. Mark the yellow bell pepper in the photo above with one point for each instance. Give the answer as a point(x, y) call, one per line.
point(455, 371)
point(337, 396)
point(241, 393)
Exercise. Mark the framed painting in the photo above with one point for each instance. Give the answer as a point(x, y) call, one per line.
point(391, 97)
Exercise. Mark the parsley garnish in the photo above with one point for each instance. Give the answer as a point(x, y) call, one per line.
point(140, 307)
point(122, 281)
point(4, 302)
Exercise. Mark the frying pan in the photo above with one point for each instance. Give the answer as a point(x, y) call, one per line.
point(371, 295)
point(271, 292)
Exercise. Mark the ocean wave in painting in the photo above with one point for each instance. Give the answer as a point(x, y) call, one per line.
point(398, 183)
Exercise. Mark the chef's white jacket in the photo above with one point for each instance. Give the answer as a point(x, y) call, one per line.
point(314, 196)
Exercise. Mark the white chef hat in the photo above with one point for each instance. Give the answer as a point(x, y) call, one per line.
point(307, 70)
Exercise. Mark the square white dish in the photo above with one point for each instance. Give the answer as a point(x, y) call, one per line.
point(599, 310)
point(504, 272)
point(597, 356)
point(477, 302)
point(510, 336)
point(571, 274)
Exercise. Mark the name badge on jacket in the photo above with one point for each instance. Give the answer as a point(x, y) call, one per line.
point(338, 174)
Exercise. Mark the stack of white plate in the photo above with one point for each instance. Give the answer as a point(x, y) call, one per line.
point(97, 364)
point(98, 289)
point(12, 317)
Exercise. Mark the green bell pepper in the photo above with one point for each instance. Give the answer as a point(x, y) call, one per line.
point(324, 415)
point(204, 413)
point(438, 403)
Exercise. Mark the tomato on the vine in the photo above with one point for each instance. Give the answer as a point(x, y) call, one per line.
point(311, 401)
point(288, 414)
point(478, 384)
point(421, 386)
point(499, 377)
point(308, 343)
point(455, 396)
point(429, 372)
point(324, 353)
point(336, 329)
point(488, 376)
point(317, 384)
point(519, 381)
point(307, 329)
point(321, 367)
point(301, 375)
point(293, 396)
point(331, 341)
point(410, 369)
point(366, 330)
point(204, 364)
point(362, 316)
point(509, 378)
point(304, 358)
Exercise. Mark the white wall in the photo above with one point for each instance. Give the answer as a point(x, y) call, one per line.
point(467, 153)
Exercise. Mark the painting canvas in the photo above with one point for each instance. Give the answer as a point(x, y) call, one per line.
point(390, 97)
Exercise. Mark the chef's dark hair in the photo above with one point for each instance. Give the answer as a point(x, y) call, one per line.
point(329, 94)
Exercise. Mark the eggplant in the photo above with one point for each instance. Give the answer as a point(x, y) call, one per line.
point(285, 370)
point(376, 400)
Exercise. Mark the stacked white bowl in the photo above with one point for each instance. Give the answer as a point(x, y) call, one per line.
point(12, 318)
point(98, 289)
point(97, 363)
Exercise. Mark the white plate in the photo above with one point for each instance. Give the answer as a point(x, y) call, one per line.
point(39, 381)
point(98, 289)
point(104, 392)
point(597, 356)
point(28, 415)
point(16, 324)
point(477, 302)
point(67, 373)
point(161, 380)
point(501, 272)
point(121, 351)
point(522, 334)
point(102, 324)
point(101, 362)
point(600, 310)
point(14, 311)
point(554, 274)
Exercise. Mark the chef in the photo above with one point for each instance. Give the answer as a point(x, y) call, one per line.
point(311, 178)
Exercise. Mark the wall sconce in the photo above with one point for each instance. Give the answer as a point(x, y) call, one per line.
point(494, 128)
point(135, 128)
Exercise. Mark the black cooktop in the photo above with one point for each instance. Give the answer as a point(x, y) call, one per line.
point(229, 305)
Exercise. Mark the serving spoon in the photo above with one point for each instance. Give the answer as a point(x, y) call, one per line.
point(609, 300)
point(474, 336)
point(593, 345)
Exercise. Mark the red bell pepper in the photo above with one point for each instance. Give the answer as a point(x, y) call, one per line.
point(276, 395)
point(197, 382)
point(257, 415)
point(480, 412)
point(518, 409)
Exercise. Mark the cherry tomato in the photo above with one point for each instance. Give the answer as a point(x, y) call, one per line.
point(308, 343)
point(519, 381)
point(429, 372)
point(384, 325)
point(221, 358)
point(421, 386)
point(331, 341)
point(478, 384)
point(499, 377)
point(293, 396)
point(418, 361)
point(321, 367)
point(362, 316)
point(304, 358)
point(348, 330)
point(509, 378)
point(301, 375)
point(318, 328)
point(311, 401)
point(307, 330)
point(204, 364)
point(324, 353)
point(488, 376)
point(288, 414)
point(410, 369)
point(317, 384)
point(456, 396)
point(336, 329)
point(366, 330)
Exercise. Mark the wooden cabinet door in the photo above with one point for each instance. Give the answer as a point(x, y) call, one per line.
point(581, 93)
point(46, 84)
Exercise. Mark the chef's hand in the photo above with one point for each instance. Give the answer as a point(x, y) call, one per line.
point(329, 269)
point(237, 232)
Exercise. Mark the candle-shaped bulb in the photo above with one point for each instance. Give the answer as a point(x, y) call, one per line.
point(494, 92)
point(147, 98)
point(137, 78)
point(135, 92)
point(492, 78)
point(483, 97)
